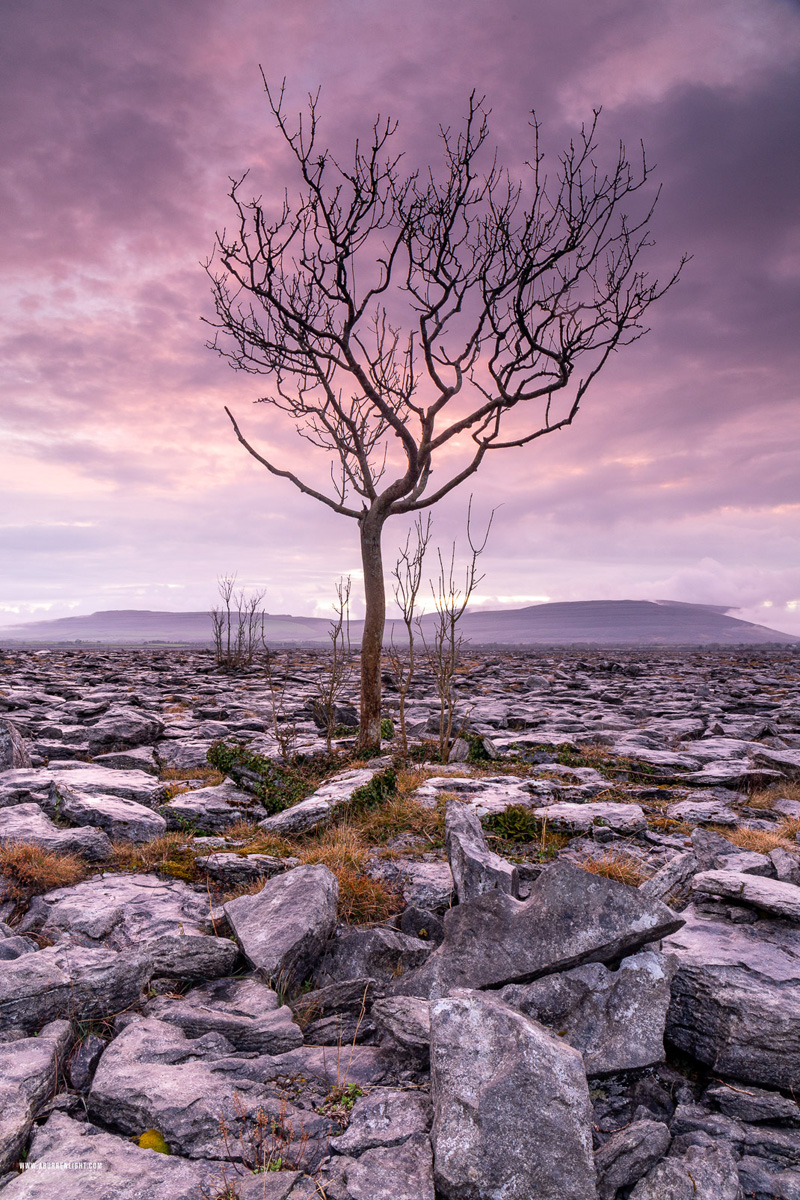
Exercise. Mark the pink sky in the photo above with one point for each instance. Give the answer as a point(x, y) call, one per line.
point(121, 485)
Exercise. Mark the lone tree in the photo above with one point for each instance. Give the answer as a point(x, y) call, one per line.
point(402, 315)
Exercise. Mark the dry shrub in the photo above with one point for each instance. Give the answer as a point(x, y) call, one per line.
point(617, 865)
point(28, 870)
point(363, 900)
point(171, 854)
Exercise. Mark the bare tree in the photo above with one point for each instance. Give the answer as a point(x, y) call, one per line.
point(407, 573)
point(237, 624)
point(404, 318)
point(333, 680)
point(443, 646)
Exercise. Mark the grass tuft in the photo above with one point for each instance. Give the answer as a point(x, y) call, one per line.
point(616, 865)
point(28, 870)
point(761, 840)
point(171, 854)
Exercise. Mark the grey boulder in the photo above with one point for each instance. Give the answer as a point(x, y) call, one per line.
point(403, 1172)
point(407, 1022)
point(671, 879)
point(628, 1155)
point(385, 1117)
point(14, 750)
point(571, 917)
point(512, 1115)
point(703, 1173)
point(615, 1018)
point(753, 1104)
point(28, 1075)
point(381, 954)
point(736, 998)
point(769, 895)
point(475, 868)
point(283, 929)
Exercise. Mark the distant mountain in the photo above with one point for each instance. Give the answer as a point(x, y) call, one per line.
point(598, 622)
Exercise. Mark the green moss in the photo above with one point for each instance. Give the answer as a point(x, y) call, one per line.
point(379, 789)
point(277, 786)
point(516, 824)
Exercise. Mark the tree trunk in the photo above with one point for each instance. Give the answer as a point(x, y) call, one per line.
point(371, 525)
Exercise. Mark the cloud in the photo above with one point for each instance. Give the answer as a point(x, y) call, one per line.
point(118, 472)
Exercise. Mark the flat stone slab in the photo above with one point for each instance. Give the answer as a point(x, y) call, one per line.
point(167, 919)
point(702, 812)
point(769, 895)
point(115, 1166)
point(785, 761)
point(492, 794)
point(736, 998)
point(122, 820)
point(152, 1076)
point(21, 785)
point(28, 823)
point(316, 809)
point(231, 868)
point(140, 758)
point(733, 773)
point(211, 809)
point(245, 1011)
point(626, 819)
point(570, 918)
point(183, 754)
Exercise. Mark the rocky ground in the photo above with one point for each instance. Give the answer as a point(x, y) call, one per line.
point(563, 965)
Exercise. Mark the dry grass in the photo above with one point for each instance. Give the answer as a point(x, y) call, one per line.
point(343, 851)
point(401, 815)
point(766, 797)
point(257, 841)
point(209, 775)
point(669, 825)
point(171, 854)
point(28, 870)
point(762, 840)
point(337, 847)
point(363, 900)
point(617, 865)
